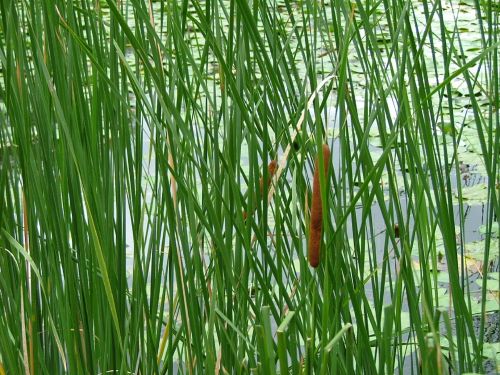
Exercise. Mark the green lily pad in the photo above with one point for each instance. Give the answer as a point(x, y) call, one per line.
point(443, 298)
point(443, 277)
point(489, 306)
point(492, 350)
point(491, 283)
point(476, 249)
point(494, 275)
point(495, 230)
point(474, 195)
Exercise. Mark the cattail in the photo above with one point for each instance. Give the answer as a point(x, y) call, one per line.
point(271, 169)
point(316, 211)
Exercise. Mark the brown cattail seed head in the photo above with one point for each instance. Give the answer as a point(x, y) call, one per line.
point(317, 211)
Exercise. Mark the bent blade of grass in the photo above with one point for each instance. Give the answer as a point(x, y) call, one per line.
point(34, 267)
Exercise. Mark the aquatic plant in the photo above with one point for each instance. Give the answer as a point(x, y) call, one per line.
point(130, 131)
point(316, 227)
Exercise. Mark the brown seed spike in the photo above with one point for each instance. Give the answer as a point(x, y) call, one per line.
point(396, 230)
point(316, 211)
point(271, 168)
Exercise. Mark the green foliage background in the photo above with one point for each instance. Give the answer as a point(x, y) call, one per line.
point(134, 134)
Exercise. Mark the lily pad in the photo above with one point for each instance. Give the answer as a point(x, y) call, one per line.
point(476, 249)
point(492, 283)
point(489, 306)
point(495, 230)
point(474, 195)
point(492, 350)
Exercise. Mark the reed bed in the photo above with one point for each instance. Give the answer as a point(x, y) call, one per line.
point(134, 134)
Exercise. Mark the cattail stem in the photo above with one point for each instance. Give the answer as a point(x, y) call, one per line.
point(317, 211)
